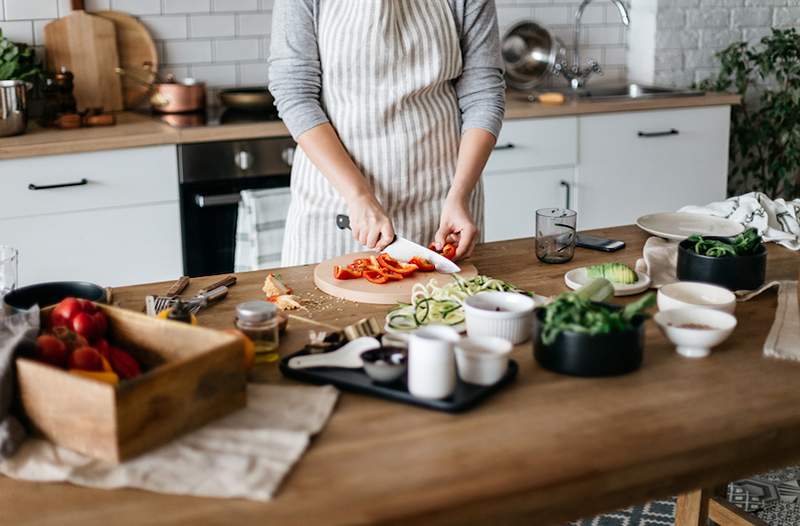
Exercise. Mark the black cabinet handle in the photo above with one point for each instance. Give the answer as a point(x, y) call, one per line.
point(665, 133)
point(568, 188)
point(507, 146)
point(82, 182)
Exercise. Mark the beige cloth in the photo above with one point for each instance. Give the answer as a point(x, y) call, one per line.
point(783, 340)
point(244, 455)
point(659, 261)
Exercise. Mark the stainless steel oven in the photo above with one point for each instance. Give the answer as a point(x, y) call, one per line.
point(211, 176)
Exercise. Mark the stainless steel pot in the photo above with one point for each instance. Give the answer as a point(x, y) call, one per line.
point(530, 53)
point(13, 107)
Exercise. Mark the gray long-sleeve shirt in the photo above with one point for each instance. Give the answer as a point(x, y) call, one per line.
point(295, 71)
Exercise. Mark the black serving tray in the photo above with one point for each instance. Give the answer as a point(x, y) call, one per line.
point(466, 396)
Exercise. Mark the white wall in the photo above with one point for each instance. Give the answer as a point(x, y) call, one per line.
point(226, 42)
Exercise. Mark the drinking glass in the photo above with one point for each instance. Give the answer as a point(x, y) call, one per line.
point(9, 269)
point(555, 234)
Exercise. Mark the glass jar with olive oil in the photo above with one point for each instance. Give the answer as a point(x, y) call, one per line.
point(259, 321)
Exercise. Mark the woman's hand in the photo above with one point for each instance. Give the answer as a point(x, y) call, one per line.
point(457, 226)
point(370, 224)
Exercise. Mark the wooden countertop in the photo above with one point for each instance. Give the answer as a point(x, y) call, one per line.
point(547, 449)
point(135, 130)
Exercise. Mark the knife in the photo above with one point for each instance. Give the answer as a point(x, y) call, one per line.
point(402, 250)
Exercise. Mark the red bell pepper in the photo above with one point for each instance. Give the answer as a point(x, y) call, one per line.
point(375, 276)
point(346, 273)
point(404, 269)
point(422, 264)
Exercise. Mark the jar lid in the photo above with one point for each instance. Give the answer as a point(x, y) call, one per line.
point(256, 311)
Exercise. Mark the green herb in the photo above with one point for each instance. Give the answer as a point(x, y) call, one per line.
point(744, 244)
point(18, 62)
point(574, 311)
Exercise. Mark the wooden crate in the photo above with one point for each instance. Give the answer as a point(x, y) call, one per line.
point(193, 375)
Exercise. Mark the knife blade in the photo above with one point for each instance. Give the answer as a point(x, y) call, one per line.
point(402, 249)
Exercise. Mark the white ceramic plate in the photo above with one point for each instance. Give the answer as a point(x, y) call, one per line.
point(577, 278)
point(680, 225)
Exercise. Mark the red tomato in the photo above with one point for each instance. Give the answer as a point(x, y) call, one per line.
point(83, 324)
point(64, 312)
point(87, 306)
point(87, 359)
point(100, 323)
point(70, 339)
point(103, 347)
point(52, 350)
point(124, 364)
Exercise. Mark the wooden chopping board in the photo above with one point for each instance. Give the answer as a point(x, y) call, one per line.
point(363, 291)
point(137, 53)
point(86, 45)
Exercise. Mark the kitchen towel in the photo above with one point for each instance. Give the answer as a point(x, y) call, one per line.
point(244, 455)
point(777, 220)
point(783, 340)
point(659, 261)
point(259, 228)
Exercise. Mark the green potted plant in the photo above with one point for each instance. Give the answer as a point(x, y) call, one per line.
point(19, 72)
point(765, 128)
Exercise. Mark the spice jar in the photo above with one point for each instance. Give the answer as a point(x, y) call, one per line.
point(259, 321)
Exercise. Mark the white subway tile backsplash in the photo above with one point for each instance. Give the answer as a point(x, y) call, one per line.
point(138, 7)
point(602, 35)
point(551, 15)
point(2, 11)
point(167, 27)
point(234, 6)
point(187, 51)
point(254, 24)
point(237, 50)
point(38, 31)
point(187, 6)
point(254, 74)
point(18, 31)
point(97, 5)
point(179, 72)
point(215, 75)
point(201, 26)
point(30, 9)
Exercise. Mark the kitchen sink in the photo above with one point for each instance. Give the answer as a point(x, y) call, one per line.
point(631, 92)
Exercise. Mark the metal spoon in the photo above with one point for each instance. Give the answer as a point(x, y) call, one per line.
point(347, 357)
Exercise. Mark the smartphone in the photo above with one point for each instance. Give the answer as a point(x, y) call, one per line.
point(599, 243)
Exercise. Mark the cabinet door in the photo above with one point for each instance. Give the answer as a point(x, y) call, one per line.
point(638, 163)
point(111, 247)
point(512, 198)
point(535, 143)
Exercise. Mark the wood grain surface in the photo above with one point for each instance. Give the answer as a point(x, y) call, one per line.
point(87, 45)
point(364, 291)
point(547, 449)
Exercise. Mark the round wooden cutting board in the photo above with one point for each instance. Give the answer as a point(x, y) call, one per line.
point(363, 291)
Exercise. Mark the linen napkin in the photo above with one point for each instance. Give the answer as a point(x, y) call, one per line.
point(244, 455)
point(776, 220)
point(659, 261)
point(783, 340)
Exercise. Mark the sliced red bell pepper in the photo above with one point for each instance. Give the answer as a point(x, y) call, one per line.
point(346, 273)
point(391, 275)
point(375, 276)
point(449, 251)
point(388, 262)
point(422, 264)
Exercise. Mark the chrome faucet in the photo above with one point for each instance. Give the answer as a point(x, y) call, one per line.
point(576, 74)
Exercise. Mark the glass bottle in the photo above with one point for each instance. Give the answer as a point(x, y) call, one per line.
point(259, 321)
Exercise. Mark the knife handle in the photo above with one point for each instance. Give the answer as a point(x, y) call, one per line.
point(227, 281)
point(342, 221)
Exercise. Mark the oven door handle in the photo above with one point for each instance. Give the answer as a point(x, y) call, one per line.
point(207, 201)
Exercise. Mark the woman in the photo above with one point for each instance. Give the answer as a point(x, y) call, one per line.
point(396, 106)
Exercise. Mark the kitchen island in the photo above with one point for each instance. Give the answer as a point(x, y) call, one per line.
point(547, 449)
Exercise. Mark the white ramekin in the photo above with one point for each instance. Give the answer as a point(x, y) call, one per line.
point(482, 360)
point(513, 322)
point(690, 294)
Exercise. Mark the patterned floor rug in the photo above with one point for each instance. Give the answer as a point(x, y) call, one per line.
point(773, 497)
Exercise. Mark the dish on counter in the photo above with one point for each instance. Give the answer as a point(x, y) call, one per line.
point(506, 315)
point(482, 360)
point(576, 336)
point(386, 364)
point(46, 294)
point(694, 331)
point(690, 294)
point(577, 278)
point(677, 226)
point(432, 304)
point(737, 263)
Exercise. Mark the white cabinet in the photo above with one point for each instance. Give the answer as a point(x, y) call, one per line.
point(512, 198)
point(116, 222)
point(637, 163)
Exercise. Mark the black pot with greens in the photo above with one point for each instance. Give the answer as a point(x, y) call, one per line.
point(577, 336)
point(736, 263)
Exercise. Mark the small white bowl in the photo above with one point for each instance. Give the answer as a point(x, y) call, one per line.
point(507, 315)
point(691, 294)
point(695, 342)
point(482, 360)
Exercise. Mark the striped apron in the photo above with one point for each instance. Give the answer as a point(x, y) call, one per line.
point(388, 68)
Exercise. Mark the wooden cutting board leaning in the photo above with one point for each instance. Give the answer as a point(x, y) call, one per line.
point(137, 53)
point(363, 291)
point(86, 45)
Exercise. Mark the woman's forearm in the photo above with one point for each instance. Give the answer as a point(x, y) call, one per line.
point(323, 147)
point(475, 149)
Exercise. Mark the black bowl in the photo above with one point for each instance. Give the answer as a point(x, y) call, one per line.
point(46, 294)
point(579, 354)
point(731, 272)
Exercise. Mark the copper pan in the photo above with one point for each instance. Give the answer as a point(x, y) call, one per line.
point(172, 96)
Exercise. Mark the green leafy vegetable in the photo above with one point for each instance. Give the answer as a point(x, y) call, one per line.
point(744, 244)
point(573, 311)
point(18, 62)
